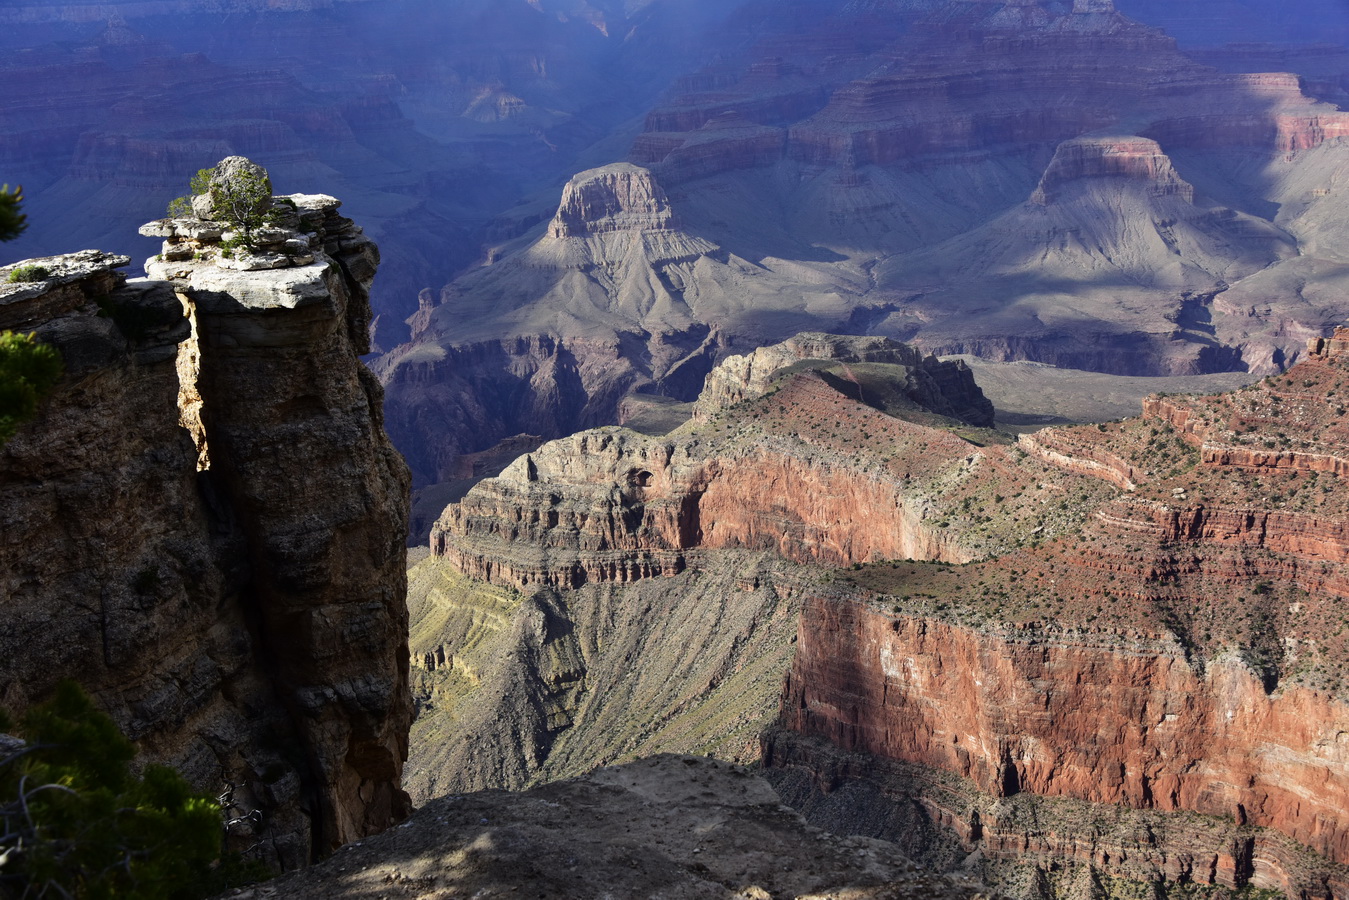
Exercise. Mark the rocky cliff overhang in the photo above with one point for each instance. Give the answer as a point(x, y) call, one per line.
point(206, 524)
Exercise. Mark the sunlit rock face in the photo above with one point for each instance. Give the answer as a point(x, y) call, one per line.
point(1182, 655)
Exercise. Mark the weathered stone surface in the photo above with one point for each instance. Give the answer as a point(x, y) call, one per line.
point(1146, 632)
point(245, 621)
point(1184, 652)
point(681, 827)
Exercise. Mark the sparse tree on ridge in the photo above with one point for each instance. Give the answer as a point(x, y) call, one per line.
point(12, 220)
point(237, 191)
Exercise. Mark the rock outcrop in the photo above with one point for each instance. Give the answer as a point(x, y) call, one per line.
point(681, 827)
point(944, 388)
point(204, 526)
point(1137, 159)
point(620, 197)
point(611, 505)
point(1088, 717)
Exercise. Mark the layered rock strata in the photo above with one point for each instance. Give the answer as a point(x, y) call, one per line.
point(1043, 181)
point(1184, 652)
point(545, 583)
point(611, 505)
point(218, 557)
point(1124, 662)
point(1028, 845)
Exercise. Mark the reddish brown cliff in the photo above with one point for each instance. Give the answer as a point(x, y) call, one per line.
point(794, 464)
point(1184, 652)
point(609, 505)
point(1099, 717)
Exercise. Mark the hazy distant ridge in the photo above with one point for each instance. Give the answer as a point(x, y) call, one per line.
point(35, 13)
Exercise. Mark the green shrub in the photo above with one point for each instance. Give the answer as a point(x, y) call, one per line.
point(28, 372)
point(240, 192)
point(12, 221)
point(75, 822)
point(29, 273)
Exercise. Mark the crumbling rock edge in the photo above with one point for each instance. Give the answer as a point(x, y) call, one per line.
point(678, 827)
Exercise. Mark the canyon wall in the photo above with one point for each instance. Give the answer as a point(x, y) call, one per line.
point(612, 505)
point(205, 526)
point(1121, 669)
point(689, 553)
point(1095, 717)
point(1183, 653)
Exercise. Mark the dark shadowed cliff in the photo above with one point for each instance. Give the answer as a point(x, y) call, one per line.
point(205, 526)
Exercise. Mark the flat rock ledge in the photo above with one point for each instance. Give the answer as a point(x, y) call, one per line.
point(675, 827)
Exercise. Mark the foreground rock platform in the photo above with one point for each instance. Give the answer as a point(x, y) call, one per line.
point(676, 827)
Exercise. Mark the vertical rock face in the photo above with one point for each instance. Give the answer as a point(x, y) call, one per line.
point(1132, 724)
point(249, 617)
point(618, 197)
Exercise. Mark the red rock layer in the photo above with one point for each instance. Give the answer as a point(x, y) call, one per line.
point(1292, 423)
point(645, 502)
point(1076, 715)
point(1058, 448)
point(1059, 837)
point(1184, 651)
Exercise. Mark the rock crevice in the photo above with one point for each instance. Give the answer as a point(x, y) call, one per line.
point(246, 603)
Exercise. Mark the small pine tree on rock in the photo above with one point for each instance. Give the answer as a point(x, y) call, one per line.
point(238, 192)
point(76, 823)
point(12, 221)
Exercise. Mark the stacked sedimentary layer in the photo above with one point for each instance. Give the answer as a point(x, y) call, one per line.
point(609, 546)
point(1185, 652)
point(1126, 659)
point(612, 505)
point(204, 525)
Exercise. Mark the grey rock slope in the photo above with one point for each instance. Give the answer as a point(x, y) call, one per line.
point(676, 827)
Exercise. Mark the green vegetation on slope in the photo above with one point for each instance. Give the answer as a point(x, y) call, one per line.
point(74, 821)
point(28, 372)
